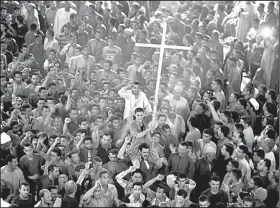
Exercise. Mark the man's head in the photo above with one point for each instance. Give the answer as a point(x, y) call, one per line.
point(53, 170)
point(217, 85)
point(137, 189)
point(242, 151)
point(144, 150)
point(258, 155)
point(113, 153)
point(139, 114)
point(45, 196)
point(104, 177)
point(214, 183)
point(203, 201)
point(227, 150)
point(136, 88)
point(181, 196)
point(28, 149)
point(24, 189)
point(74, 113)
point(105, 139)
point(231, 165)
point(12, 161)
point(264, 165)
point(182, 149)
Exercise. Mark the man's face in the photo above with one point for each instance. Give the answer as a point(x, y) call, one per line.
point(145, 153)
point(229, 167)
point(56, 172)
point(261, 165)
point(204, 204)
point(215, 185)
point(182, 150)
point(24, 191)
point(35, 79)
point(160, 193)
point(54, 194)
point(99, 122)
point(199, 109)
point(86, 51)
point(206, 137)
point(74, 114)
point(3, 81)
point(45, 112)
point(135, 89)
point(14, 163)
point(210, 156)
point(110, 42)
point(54, 157)
point(40, 104)
point(28, 151)
point(137, 190)
point(18, 78)
point(105, 179)
point(116, 123)
point(75, 158)
point(162, 120)
point(43, 93)
point(136, 177)
point(156, 138)
point(105, 139)
point(139, 116)
point(239, 153)
point(84, 125)
point(95, 110)
point(112, 157)
point(102, 103)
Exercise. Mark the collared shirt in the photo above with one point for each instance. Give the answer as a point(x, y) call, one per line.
point(110, 193)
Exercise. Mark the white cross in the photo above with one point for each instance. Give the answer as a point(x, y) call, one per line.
point(162, 46)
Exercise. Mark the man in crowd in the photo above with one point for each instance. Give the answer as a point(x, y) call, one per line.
point(100, 103)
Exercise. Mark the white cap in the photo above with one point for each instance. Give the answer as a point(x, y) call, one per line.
point(254, 103)
point(5, 138)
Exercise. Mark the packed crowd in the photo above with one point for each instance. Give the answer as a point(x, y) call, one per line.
point(78, 93)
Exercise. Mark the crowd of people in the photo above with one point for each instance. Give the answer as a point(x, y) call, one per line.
point(78, 93)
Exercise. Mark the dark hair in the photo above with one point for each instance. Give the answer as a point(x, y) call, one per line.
point(215, 177)
point(143, 146)
point(10, 158)
point(258, 181)
point(23, 183)
point(239, 127)
point(237, 173)
point(203, 198)
point(271, 134)
point(225, 130)
point(193, 121)
point(182, 192)
point(139, 110)
point(244, 149)
point(208, 131)
point(234, 163)
point(229, 148)
point(260, 153)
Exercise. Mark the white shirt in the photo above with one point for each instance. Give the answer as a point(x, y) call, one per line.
point(61, 18)
point(131, 103)
point(48, 45)
point(4, 204)
point(271, 157)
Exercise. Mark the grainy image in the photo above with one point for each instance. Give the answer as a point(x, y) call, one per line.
point(139, 104)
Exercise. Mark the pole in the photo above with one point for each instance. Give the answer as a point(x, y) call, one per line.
point(159, 69)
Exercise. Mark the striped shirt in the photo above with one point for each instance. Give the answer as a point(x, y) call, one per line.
point(63, 40)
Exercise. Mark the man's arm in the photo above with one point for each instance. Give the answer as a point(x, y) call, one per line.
point(123, 92)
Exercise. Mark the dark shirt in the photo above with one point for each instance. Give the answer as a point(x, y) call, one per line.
point(103, 154)
point(69, 202)
point(220, 166)
point(23, 203)
point(221, 196)
point(204, 122)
